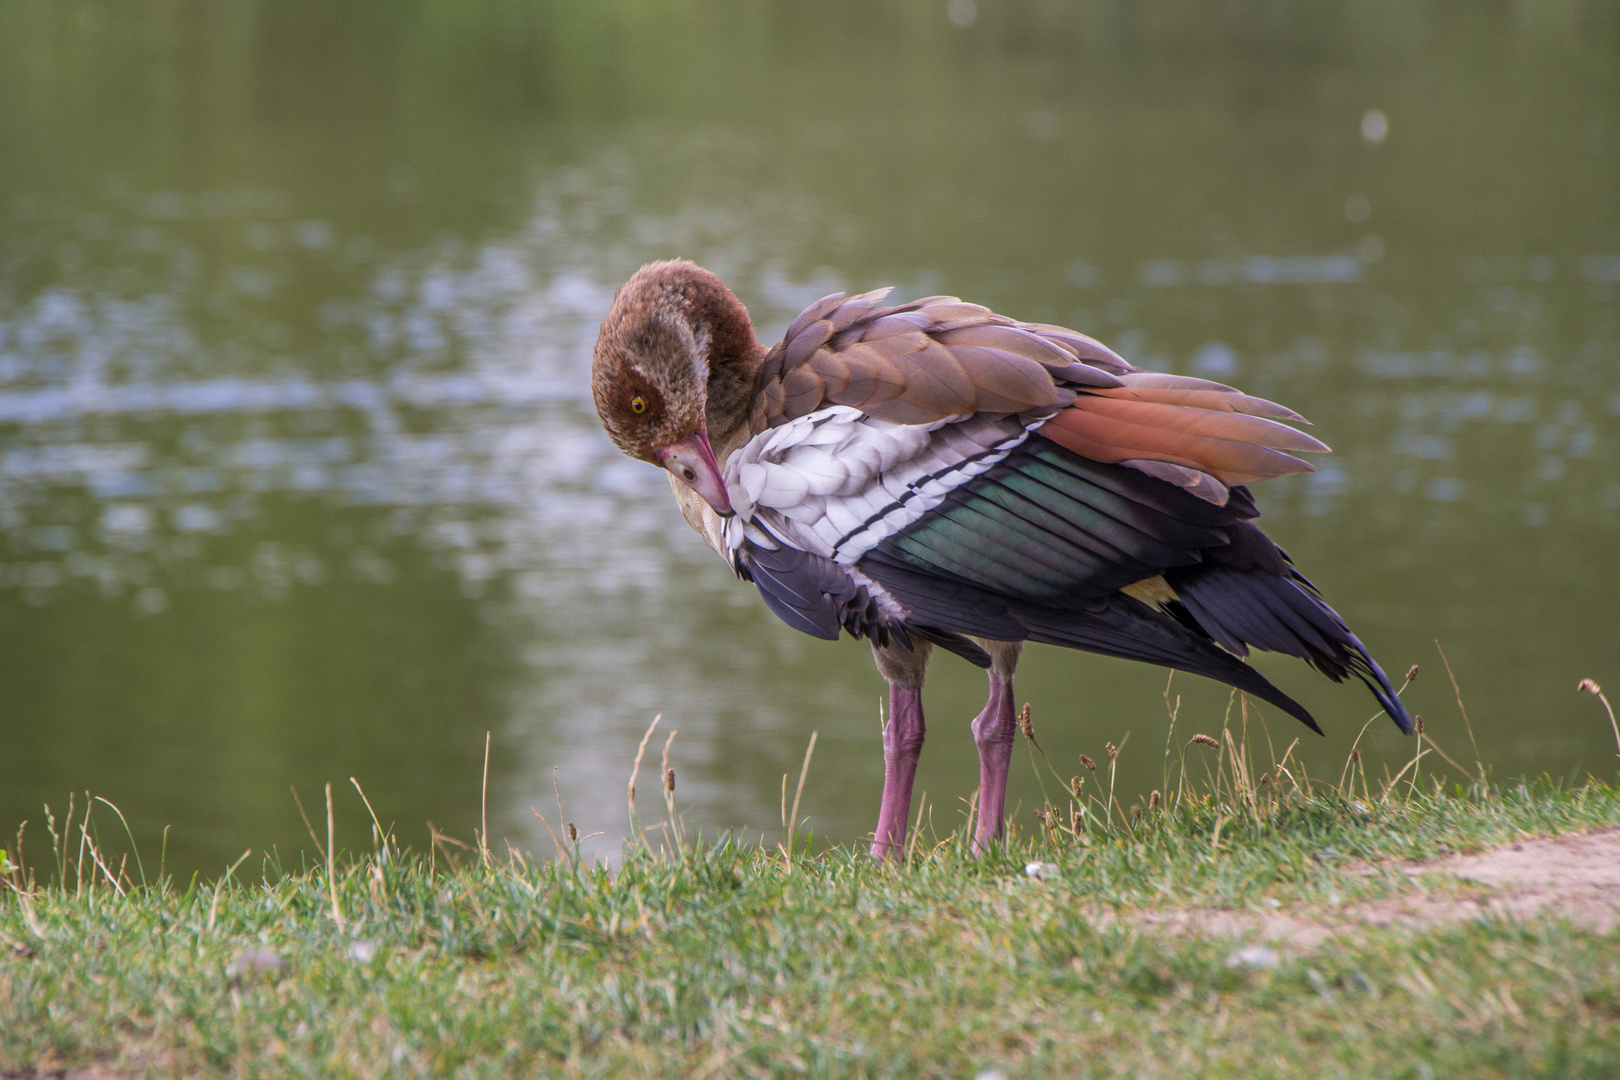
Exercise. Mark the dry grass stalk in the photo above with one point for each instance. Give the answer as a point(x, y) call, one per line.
point(635, 820)
point(571, 853)
point(673, 821)
point(483, 810)
point(1354, 757)
point(131, 835)
point(1457, 690)
point(916, 828)
point(562, 852)
point(319, 847)
point(84, 838)
point(804, 771)
point(379, 834)
point(331, 861)
point(1590, 686)
point(436, 843)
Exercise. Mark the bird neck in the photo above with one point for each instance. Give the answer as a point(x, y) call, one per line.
point(735, 356)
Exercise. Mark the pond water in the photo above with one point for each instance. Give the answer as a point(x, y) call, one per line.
point(300, 479)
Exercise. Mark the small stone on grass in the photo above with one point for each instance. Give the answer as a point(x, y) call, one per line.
point(1254, 956)
point(251, 962)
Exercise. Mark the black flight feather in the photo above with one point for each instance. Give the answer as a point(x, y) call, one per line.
point(789, 587)
point(1282, 614)
point(1114, 625)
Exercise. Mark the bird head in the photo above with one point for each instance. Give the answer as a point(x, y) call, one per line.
point(650, 376)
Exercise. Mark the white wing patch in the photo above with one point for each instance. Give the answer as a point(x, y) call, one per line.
point(837, 483)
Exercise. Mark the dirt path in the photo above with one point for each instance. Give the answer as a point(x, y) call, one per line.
point(1574, 877)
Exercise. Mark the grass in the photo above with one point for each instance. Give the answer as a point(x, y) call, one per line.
point(721, 959)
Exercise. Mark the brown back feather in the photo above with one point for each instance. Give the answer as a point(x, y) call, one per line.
point(911, 363)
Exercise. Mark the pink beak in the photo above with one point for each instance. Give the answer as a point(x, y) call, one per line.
point(692, 462)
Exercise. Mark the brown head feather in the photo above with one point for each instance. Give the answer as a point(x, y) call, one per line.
point(675, 353)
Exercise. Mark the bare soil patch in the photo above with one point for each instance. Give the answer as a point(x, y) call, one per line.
point(1574, 877)
point(84, 1072)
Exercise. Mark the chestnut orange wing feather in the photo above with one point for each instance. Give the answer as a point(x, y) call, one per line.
point(1201, 393)
point(1107, 438)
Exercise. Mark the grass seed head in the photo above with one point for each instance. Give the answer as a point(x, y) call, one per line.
point(1025, 724)
point(1113, 751)
point(1589, 686)
point(1411, 673)
point(1417, 724)
point(669, 780)
point(573, 834)
point(1154, 800)
point(1206, 740)
point(1355, 756)
point(1075, 784)
point(1088, 763)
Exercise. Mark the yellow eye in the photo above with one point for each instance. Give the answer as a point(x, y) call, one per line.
point(638, 404)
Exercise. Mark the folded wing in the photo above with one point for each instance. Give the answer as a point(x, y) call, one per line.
point(933, 469)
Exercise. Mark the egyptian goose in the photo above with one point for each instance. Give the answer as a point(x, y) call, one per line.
point(932, 473)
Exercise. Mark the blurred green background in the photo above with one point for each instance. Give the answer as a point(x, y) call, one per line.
point(299, 478)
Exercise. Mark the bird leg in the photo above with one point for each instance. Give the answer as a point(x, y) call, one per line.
point(993, 731)
point(902, 746)
point(902, 742)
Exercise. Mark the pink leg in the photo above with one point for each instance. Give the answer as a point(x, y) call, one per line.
point(993, 731)
point(902, 746)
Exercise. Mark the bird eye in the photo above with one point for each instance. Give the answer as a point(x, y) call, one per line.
point(638, 404)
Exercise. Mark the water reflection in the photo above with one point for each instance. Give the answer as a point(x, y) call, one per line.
point(296, 486)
